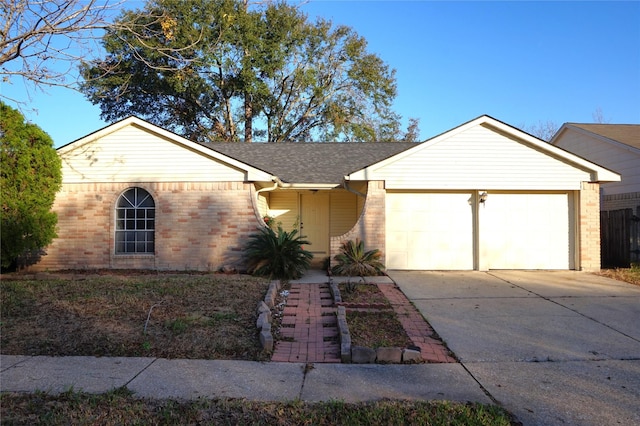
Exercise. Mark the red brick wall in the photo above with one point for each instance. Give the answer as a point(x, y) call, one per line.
point(199, 226)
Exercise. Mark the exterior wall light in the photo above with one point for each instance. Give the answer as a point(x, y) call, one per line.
point(483, 197)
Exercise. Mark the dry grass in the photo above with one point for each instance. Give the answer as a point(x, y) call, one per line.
point(630, 275)
point(362, 294)
point(374, 329)
point(121, 408)
point(192, 316)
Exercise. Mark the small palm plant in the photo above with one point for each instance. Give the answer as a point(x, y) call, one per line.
point(278, 254)
point(353, 260)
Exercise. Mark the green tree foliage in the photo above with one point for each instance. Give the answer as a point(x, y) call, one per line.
point(277, 254)
point(221, 70)
point(31, 176)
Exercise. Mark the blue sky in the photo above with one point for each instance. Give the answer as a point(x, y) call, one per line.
point(520, 62)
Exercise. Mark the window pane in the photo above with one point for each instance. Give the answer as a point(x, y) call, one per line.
point(135, 221)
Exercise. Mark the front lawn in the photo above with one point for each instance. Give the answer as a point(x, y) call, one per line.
point(121, 408)
point(203, 316)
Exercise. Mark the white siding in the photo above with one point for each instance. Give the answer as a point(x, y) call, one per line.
point(131, 154)
point(620, 160)
point(479, 158)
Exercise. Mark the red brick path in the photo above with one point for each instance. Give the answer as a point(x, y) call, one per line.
point(309, 321)
point(311, 334)
point(418, 330)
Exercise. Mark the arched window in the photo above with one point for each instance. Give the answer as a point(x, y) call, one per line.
point(135, 222)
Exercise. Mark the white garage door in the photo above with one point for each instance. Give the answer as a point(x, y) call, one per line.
point(434, 231)
point(525, 231)
point(429, 231)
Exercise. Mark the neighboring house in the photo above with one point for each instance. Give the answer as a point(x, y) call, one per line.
point(481, 196)
point(616, 147)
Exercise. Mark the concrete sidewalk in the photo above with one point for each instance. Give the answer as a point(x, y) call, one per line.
point(271, 381)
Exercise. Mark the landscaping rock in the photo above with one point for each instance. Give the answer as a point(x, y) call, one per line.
point(266, 339)
point(389, 355)
point(345, 348)
point(229, 269)
point(335, 292)
point(270, 297)
point(411, 355)
point(263, 318)
point(262, 307)
point(362, 355)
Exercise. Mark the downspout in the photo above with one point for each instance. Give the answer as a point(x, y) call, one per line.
point(265, 189)
point(268, 189)
point(346, 186)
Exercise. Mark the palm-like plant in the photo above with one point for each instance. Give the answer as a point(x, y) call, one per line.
point(353, 260)
point(278, 254)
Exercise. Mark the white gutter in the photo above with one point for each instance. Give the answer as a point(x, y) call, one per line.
point(283, 185)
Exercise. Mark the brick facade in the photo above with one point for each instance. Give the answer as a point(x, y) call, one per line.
point(199, 226)
point(589, 227)
point(370, 226)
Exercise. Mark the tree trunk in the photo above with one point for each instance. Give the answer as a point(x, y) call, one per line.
point(248, 118)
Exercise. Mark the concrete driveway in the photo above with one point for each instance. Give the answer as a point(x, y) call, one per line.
point(552, 347)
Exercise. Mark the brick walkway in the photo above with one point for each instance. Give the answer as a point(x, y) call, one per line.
point(310, 330)
point(418, 330)
point(309, 326)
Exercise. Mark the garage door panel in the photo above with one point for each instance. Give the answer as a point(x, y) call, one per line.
point(525, 231)
point(429, 231)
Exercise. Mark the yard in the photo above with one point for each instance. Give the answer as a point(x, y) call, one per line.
point(155, 315)
point(119, 407)
point(202, 316)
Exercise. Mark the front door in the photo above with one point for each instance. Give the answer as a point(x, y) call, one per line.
point(314, 222)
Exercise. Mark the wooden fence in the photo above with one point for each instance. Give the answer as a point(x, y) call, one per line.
point(620, 238)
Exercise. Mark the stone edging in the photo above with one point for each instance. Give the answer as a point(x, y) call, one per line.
point(265, 317)
point(363, 355)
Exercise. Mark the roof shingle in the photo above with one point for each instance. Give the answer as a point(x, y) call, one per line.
point(628, 134)
point(311, 162)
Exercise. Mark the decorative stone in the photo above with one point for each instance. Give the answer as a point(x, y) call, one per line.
point(345, 348)
point(263, 318)
point(266, 340)
point(411, 355)
point(389, 355)
point(262, 307)
point(362, 355)
point(229, 269)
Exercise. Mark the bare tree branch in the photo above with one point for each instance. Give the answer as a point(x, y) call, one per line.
point(43, 41)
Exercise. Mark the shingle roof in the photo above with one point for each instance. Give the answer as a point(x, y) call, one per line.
point(628, 134)
point(311, 162)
